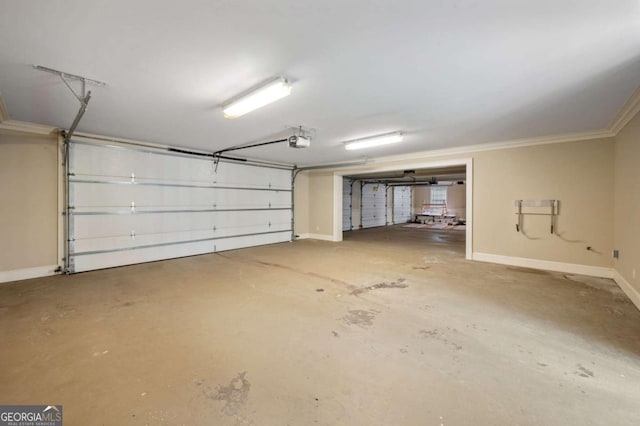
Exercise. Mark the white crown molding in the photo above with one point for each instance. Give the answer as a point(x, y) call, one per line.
point(469, 149)
point(31, 128)
point(493, 146)
point(22, 126)
point(629, 290)
point(91, 137)
point(626, 113)
point(28, 273)
point(548, 265)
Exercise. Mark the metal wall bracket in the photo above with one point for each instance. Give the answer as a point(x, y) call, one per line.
point(554, 210)
point(83, 96)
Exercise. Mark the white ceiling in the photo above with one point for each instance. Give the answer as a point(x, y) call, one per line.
point(447, 73)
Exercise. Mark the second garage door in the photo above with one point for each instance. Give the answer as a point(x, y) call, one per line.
point(374, 205)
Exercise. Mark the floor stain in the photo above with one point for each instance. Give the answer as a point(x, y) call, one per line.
point(289, 268)
point(234, 395)
point(527, 270)
point(440, 336)
point(422, 268)
point(475, 327)
point(65, 311)
point(360, 317)
point(604, 284)
point(583, 372)
point(614, 311)
point(4, 307)
point(326, 278)
point(49, 331)
point(399, 283)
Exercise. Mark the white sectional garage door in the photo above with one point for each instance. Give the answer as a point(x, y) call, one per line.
point(136, 205)
point(346, 204)
point(401, 204)
point(374, 205)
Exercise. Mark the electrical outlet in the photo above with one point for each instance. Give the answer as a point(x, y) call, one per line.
point(633, 273)
point(616, 254)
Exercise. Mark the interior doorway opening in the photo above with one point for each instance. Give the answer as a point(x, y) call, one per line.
point(430, 198)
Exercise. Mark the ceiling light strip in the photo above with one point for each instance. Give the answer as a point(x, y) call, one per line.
point(385, 139)
point(257, 98)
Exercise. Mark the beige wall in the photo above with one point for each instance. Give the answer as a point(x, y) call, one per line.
point(627, 202)
point(313, 195)
point(457, 201)
point(579, 174)
point(301, 203)
point(29, 188)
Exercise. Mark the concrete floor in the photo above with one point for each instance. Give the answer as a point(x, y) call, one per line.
point(405, 332)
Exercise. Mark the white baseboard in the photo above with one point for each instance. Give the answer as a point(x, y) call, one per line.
point(570, 268)
point(629, 290)
point(28, 273)
point(316, 237)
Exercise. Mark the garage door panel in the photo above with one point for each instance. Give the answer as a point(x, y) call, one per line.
point(240, 175)
point(94, 160)
point(374, 205)
point(84, 263)
point(100, 226)
point(129, 206)
point(402, 204)
point(116, 163)
point(137, 240)
point(110, 197)
point(346, 204)
point(90, 262)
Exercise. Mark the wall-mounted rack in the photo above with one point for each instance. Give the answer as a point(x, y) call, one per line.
point(552, 205)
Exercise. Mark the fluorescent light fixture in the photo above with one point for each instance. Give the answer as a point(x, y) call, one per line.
point(256, 98)
point(374, 141)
